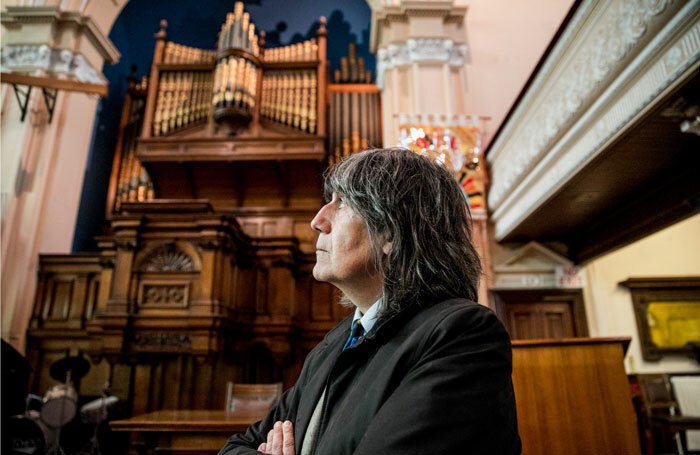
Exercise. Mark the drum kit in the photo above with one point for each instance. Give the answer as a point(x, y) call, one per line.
point(38, 431)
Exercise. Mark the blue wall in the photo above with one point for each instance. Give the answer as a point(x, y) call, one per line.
point(196, 23)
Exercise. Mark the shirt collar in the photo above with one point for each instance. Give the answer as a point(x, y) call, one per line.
point(369, 318)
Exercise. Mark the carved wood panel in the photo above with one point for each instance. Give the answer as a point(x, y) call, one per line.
point(66, 294)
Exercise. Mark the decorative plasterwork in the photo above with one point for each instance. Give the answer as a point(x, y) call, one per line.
point(27, 58)
point(531, 266)
point(419, 51)
point(16, 17)
point(385, 13)
point(590, 87)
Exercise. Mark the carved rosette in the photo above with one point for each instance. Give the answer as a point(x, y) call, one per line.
point(164, 294)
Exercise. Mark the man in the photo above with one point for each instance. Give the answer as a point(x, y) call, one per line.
point(419, 368)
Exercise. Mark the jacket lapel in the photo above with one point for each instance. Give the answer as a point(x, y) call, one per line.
point(317, 381)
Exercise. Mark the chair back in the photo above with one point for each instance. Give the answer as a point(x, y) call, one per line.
point(687, 391)
point(657, 393)
point(252, 396)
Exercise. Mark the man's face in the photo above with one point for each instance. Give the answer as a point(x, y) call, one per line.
point(343, 249)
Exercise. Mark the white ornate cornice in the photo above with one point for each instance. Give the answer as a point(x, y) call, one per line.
point(607, 67)
point(28, 58)
point(15, 17)
point(385, 13)
point(429, 50)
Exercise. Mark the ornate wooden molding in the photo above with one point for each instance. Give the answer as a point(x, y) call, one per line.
point(163, 294)
point(159, 341)
point(167, 258)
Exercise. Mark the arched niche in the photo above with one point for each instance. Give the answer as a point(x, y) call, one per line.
point(168, 256)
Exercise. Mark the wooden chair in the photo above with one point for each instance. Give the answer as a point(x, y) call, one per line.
point(252, 396)
point(664, 414)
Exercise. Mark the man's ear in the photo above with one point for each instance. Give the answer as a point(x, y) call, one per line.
point(387, 248)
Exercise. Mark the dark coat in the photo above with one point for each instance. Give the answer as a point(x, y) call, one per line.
point(427, 381)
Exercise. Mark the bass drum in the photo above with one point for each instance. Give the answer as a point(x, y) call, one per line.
point(26, 435)
point(60, 405)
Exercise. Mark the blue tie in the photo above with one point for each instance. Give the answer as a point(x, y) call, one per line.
point(356, 331)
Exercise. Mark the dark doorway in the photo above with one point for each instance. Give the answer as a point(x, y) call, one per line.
point(541, 313)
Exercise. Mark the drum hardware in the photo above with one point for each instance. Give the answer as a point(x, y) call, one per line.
point(33, 402)
point(60, 403)
point(77, 366)
point(95, 412)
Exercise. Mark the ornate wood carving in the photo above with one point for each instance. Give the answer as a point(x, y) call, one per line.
point(163, 294)
point(167, 258)
point(161, 341)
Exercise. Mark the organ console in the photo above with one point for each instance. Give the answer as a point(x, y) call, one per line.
point(204, 272)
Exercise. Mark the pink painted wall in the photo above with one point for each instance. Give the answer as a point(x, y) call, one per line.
point(506, 39)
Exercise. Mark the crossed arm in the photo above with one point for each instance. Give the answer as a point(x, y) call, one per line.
point(280, 440)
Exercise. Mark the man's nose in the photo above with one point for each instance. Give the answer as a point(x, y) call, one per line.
point(321, 222)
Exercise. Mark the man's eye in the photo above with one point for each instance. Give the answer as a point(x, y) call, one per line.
point(341, 202)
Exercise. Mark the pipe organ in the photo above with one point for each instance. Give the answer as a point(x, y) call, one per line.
point(354, 117)
point(237, 70)
point(131, 183)
point(306, 51)
point(204, 271)
point(177, 53)
point(289, 97)
point(181, 100)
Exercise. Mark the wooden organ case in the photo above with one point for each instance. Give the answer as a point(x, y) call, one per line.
point(204, 274)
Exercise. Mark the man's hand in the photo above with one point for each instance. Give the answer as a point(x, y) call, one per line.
point(280, 440)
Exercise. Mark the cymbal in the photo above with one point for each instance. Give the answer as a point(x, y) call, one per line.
point(78, 367)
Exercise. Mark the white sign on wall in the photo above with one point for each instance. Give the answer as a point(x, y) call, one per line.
point(569, 277)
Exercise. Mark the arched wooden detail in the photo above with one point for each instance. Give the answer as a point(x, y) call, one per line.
point(168, 256)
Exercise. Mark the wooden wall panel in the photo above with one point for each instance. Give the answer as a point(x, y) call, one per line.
point(573, 397)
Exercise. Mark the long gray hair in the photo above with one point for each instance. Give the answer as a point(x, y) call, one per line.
point(418, 207)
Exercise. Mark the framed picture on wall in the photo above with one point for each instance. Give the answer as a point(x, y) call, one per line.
point(667, 311)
